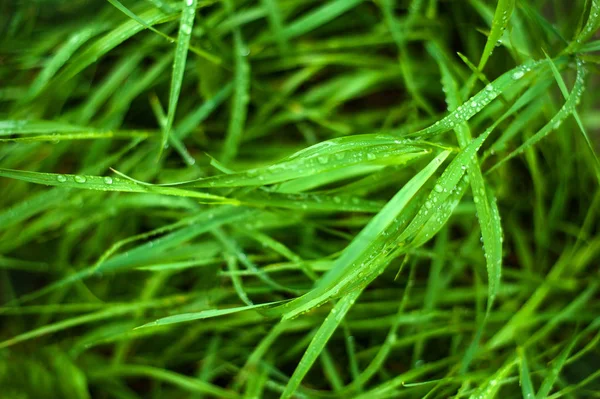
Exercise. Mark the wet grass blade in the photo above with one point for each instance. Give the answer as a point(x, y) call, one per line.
point(504, 10)
point(317, 345)
point(105, 183)
point(186, 25)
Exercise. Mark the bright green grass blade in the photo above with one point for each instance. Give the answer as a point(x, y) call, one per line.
point(590, 47)
point(109, 86)
point(181, 318)
point(148, 252)
point(319, 341)
point(504, 10)
point(88, 135)
point(565, 93)
point(119, 6)
point(555, 369)
point(193, 119)
point(186, 24)
point(84, 319)
point(489, 389)
point(105, 183)
point(388, 388)
point(358, 247)
point(310, 202)
point(485, 201)
point(188, 383)
point(480, 100)
point(61, 57)
point(241, 99)
point(43, 201)
point(591, 27)
point(525, 376)
point(318, 17)
point(18, 127)
point(324, 157)
point(445, 185)
point(109, 41)
point(554, 123)
point(378, 361)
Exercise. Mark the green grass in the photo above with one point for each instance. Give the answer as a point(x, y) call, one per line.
point(299, 199)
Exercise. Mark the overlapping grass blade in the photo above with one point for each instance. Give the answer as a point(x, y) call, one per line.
point(105, 183)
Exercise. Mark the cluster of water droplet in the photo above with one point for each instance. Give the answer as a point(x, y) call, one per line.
point(82, 179)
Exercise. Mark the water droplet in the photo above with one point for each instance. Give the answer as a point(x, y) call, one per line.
point(438, 188)
point(428, 205)
point(340, 155)
point(186, 29)
point(337, 199)
point(371, 157)
point(323, 159)
point(189, 2)
point(476, 199)
point(61, 178)
point(108, 180)
point(518, 75)
point(80, 179)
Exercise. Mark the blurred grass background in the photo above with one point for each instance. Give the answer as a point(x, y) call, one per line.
point(286, 195)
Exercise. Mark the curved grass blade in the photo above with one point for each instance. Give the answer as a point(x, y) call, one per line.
point(325, 157)
point(205, 314)
point(193, 119)
point(109, 41)
point(186, 25)
point(147, 253)
point(318, 17)
point(317, 344)
point(311, 202)
point(591, 27)
point(554, 123)
point(10, 127)
point(485, 203)
point(105, 183)
point(565, 93)
point(61, 57)
point(502, 15)
point(241, 98)
point(111, 312)
point(525, 376)
point(492, 385)
point(91, 135)
point(557, 365)
point(480, 100)
point(357, 249)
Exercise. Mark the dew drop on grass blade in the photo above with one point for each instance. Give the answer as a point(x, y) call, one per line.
point(502, 15)
point(316, 346)
point(371, 232)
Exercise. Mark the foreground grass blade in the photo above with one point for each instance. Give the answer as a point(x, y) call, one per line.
point(105, 183)
point(504, 10)
point(181, 318)
point(319, 341)
point(358, 247)
point(186, 25)
point(310, 153)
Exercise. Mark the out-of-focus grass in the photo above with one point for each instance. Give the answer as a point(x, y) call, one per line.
point(294, 198)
